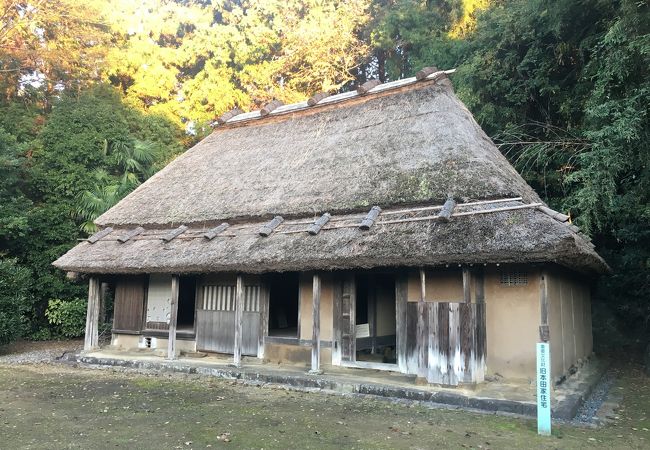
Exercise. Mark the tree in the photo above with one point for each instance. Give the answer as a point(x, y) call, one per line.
point(49, 45)
point(563, 88)
point(192, 61)
point(13, 203)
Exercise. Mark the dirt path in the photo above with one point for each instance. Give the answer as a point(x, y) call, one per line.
point(57, 407)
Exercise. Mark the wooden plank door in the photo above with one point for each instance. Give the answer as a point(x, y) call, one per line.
point(128, 312)
point(215, 319)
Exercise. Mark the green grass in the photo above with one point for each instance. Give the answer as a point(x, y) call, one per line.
point(52, 407)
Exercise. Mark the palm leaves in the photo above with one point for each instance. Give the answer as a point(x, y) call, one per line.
point(129, 163)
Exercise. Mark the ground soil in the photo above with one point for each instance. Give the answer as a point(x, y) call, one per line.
point(53, 406)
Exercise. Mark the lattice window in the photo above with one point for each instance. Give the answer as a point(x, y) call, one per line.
point(514, 278)
point(252, 298)
point(221, 297)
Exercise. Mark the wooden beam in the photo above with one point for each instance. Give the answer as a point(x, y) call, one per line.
point(174, 233)
point(401, 299)
point(315, 336)
point(239, 314)
point(447, 210)
point(267, 229)
point(554, 214)
point(544, 331)
point(173, 319)
point(270, 107)
point(213, 232)
point(100, 234)
point(315, 227)
point(314, 99)
point(467, 213)
point(367, 86)
point(435, 76)
point(91, 339)
point(467, 283)
point(370, 218)
point(130, 235)
point(422, 340)
point(229, 115)
point(425, 72)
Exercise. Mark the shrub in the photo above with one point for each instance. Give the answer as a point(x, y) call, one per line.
point(69, 316)
point(15, 302)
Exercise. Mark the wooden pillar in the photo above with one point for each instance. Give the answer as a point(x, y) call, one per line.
point(91, 340)
point(173, 319)
point(315, 336)
point(479, 285)
point(422, 340)
point(467, 293)
point(372, 315)
point(401, 302)
point(544, 331)
point(264, 318)
point(239, 314)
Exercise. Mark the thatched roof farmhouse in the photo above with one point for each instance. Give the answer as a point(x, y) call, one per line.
point(394, 180)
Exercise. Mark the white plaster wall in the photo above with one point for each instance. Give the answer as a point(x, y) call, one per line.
point(159, 298)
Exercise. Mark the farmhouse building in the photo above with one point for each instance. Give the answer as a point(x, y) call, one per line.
point(379, 228)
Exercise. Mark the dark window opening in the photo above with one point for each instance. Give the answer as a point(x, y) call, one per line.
point(283, 304)
point(186, 303)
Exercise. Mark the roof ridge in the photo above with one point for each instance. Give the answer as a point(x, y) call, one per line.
point(236, 115)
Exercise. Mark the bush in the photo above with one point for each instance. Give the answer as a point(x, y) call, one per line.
point(42, 334)
point(69, 316)
point(15, 302)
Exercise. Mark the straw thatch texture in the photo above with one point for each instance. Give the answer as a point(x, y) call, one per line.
point(411, 145)
point(522, 236)
point(414, 145)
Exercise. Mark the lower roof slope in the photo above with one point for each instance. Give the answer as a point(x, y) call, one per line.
point(511, 236)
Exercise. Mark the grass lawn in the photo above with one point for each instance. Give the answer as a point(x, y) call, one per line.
point(53, 407)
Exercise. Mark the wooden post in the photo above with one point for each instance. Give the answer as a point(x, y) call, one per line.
point(479, 285)
point(372, 315)
point(239, 314)
point(401, 301)
point(264, 318)
point(467, 277)
point(315, 336)
point(173, 318)
point(91, 340)
point(422, 341)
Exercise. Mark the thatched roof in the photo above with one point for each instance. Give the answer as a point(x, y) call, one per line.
point(406, 145)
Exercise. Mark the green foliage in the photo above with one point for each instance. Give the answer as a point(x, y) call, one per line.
point(13, 203)
point(15, 301)
point(411, 34)
point(68, 316)
point(561, 86)
point(564, 89)
point(92, 150)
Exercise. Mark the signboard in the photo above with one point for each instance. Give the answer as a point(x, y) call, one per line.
point(543, 389)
